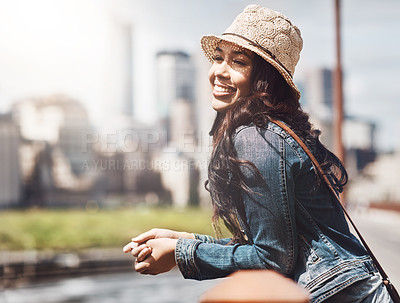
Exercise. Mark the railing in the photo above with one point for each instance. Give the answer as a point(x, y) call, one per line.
point(251, 286)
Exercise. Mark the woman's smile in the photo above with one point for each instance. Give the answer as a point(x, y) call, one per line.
point(223, 91)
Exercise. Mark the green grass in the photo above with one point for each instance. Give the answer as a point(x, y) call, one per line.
point(77, 229)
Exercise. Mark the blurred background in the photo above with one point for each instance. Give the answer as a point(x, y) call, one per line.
point(104, 119)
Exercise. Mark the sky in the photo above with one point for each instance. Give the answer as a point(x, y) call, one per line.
point(73, 47)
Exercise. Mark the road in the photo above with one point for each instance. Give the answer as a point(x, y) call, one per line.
point(381, 230)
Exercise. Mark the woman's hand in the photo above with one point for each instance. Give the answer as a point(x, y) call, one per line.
point(138, 251)
point(161, 258)
point(157, 233)
point(154, 250)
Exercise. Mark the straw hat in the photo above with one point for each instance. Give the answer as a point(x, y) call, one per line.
point(265, 32)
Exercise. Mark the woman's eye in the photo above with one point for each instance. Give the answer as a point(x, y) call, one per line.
point(239, 62)
point(218, 58)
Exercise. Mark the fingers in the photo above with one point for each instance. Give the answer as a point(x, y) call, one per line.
point(143, 254)
point(141, 267)
point(151, 234)
point(136, 251)
point(128, 247)
point(134, 248)
point(140, 252)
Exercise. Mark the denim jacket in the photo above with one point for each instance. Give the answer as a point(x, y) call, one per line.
point(292, 222)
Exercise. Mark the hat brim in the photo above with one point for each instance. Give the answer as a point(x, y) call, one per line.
point(210, 42)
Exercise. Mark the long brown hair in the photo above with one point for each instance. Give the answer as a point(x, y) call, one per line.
point(271, 98)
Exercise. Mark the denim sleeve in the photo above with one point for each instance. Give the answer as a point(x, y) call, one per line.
point(269, 215)
point(209, 239)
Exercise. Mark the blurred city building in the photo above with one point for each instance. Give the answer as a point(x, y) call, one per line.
point(180, 176)
point(176, 80)
point(124, 147)
point(126, 151)
point(183, 128)
point(51, 155)
point(10, 176)
point(358, 133)
point(358, 139)
point(59, 121)
point(379, 184)
point(373, 177)
point(53, 152)
point(176, 89)
point(119, 77)
point(317, 98)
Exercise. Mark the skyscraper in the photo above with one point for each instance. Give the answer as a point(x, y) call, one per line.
point(126, 68)
point(176, 80)
point(176, 85)
point(119, 74)
point(10, 176)
point(318, 100)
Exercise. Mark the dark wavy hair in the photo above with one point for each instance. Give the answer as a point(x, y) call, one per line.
point(273, 98)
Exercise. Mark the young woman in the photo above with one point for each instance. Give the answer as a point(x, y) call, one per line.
point(263, 185)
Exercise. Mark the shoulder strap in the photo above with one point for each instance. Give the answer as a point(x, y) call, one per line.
point(322, 175)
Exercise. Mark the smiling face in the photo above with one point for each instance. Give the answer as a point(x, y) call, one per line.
point(230, 75)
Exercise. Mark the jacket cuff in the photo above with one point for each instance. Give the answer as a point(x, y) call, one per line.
point(185, 258)
point(204, 238)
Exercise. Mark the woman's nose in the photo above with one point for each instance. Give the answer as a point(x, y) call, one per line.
point(222, 70)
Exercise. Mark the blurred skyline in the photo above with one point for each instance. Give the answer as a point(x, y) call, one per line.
point(73, 47)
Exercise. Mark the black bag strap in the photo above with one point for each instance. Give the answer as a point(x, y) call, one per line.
point(395, 296)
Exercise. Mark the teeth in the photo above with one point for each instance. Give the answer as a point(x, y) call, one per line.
point(223, 89)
